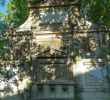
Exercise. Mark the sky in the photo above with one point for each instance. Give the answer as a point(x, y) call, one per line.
point(3, 8)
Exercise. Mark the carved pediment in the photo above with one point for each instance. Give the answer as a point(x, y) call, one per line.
point(52, 66)
point(52, 53)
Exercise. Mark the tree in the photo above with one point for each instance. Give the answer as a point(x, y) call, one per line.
point(17, 11)
point(3, 23)
point(97, 10)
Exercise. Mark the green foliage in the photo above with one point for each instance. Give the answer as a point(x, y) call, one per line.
point(3, 29)
point(5, 73)
point(3, 23)
point(1, 43)
point(97, 10)
point(17, 12)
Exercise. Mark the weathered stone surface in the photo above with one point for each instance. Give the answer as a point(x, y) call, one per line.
point(57, 55)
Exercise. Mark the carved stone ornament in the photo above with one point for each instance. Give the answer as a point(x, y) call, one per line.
point(65, 88)
point(52, 88)
point(40, 87)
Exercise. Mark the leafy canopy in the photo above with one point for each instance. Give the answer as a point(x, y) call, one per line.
point(97, 10)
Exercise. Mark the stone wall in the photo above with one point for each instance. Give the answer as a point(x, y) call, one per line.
point(48, 38)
